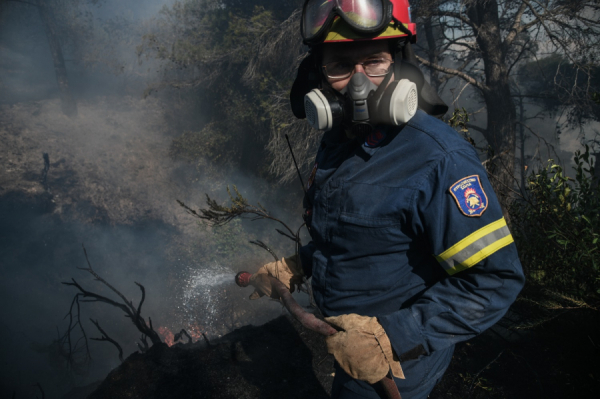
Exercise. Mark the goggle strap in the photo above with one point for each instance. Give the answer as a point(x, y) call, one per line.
point(402, 28)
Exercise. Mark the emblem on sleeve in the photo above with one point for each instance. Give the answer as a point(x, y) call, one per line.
point(469, 195)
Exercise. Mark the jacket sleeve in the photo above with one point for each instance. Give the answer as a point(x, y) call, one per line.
point(457, 213)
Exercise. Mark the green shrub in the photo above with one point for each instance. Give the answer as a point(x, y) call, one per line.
point(556, 226)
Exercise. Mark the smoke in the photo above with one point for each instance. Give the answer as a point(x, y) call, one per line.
point(38, 252)
point(111, 186)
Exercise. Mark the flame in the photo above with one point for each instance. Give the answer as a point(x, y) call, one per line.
point(168, 336)
point(195, 332)
point(469, 191)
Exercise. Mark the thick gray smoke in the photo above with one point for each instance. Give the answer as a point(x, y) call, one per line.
point(112, 186)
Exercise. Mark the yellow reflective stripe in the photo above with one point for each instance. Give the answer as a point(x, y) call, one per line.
point(481, 255)
point(470, 239)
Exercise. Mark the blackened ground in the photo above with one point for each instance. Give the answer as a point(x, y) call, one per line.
point(557, 359)
point(279, 359)
point(282, 360)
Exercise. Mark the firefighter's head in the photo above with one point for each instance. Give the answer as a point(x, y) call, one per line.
point(352, 76)
point(364, 32)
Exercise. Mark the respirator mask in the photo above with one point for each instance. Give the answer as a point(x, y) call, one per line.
point(361, 105)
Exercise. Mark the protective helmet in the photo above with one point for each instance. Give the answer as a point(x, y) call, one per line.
point(331, 21)
point(327, 21)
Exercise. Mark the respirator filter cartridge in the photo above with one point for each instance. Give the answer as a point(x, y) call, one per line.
point(401, 100)
point(323, 109)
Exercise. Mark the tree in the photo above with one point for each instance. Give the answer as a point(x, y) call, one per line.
point(69, 106)
point(485, 41)
point(239, 59)
point(66, 24)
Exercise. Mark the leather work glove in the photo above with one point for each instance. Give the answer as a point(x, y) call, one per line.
point(362, 348)
point(286, 270)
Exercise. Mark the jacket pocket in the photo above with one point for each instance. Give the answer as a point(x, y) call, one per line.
point(366, 221)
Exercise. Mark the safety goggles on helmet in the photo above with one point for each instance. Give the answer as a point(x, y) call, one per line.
point(364, 16)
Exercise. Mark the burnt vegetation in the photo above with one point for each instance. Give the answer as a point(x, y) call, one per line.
point(77, 348)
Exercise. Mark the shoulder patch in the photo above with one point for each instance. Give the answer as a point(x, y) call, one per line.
point(469, 195)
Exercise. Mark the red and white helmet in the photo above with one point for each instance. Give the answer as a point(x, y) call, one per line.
point(327, 21)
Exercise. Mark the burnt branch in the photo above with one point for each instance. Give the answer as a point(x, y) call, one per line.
point(126, 306)
point(106, 338)
point(220, 215)
point(72, 351)
point(90, 270)
point(180, 335)
point(87, 348)
point(207, 340)
point(139, 309)
point(95, 297)
point(283, 233)
point(265, 247)
point(144, 341)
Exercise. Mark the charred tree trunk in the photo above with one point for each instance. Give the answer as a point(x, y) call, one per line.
point(69, 106)
point(501, 112)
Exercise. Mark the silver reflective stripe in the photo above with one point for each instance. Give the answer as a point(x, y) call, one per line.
point(461, 257)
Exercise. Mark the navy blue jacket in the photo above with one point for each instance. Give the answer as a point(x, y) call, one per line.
point(406, 227)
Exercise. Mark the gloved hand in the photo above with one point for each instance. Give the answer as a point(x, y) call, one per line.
point(362, 348)
point(286, 270)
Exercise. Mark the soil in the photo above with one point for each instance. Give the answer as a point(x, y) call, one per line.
point(279, 359)
point(110, 163)
point(112, 185)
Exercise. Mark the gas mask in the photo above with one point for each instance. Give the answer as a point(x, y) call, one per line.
point(361, 105)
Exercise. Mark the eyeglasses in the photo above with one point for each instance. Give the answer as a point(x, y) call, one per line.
point(342, 69)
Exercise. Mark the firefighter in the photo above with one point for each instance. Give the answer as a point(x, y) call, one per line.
point(410, 253)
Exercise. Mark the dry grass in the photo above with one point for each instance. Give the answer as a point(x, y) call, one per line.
point(111, 162)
